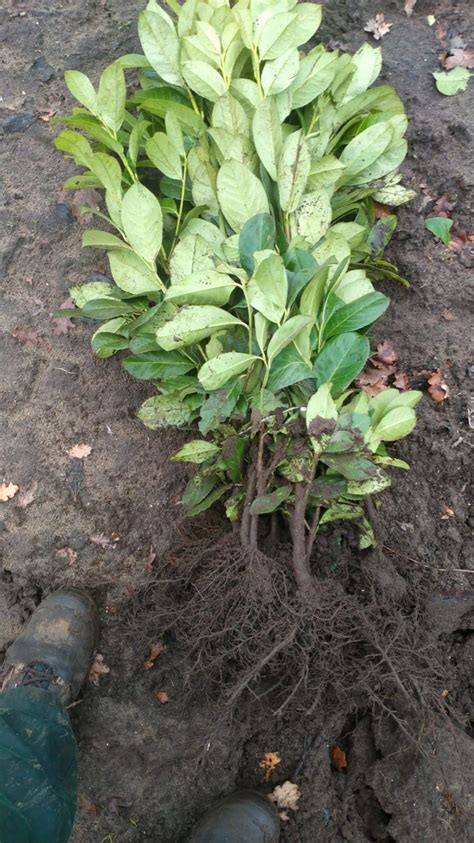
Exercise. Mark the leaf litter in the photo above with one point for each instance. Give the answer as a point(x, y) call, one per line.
point(27, 494)
point(381, 373)
point(157, 648)
point(79, 452)
point(378, 26)
point(8, 491)
point(63, 324)
point(269, 763)
point(286, 796)
point(27, 336)
point(98, 669)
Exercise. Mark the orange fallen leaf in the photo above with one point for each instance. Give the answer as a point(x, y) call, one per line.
point(338, 758)
point(79, 452)
point(378, 26)
point(7, 491)
point(156, 649)
point(269, 762)
point(98, 669)
point(162, 697)
point(27, 494)
point(438, 388)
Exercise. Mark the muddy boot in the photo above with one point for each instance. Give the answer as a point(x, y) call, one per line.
point(243, 817)
point(54, 650)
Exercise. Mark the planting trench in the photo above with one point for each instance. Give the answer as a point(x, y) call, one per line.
point(148, 770)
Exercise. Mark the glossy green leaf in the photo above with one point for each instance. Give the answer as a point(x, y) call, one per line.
point(158, 364)
point(287, 369)
point(106, 308)
point(208, 287)
point(395, 424)
point(270, 502)
point(341, 360)
point(257, 235)
point(268, 288)
point(300, 269)
point(204, 80)
point(82, 89)
point(217, 372)
point(357, 314)
point(440, 227)
point(142, 220)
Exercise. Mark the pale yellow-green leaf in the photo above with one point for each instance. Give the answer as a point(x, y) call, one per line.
point(161, 46)
point(293, 171)
point(192, 254)
point(217, 372)
point(267, 135)
point(164, 155)
point(368, 63)
point(334, 248)
point(164, 411)
point(316, 73)
point(320, 409)
point(277, 75)
point(286, 334)
point(204, 80)
point(197, 451)
point(309, 19)
point(268, 288)
point(241, 195)
point(82, 89)
point(132, 274)
point(192, 324)
point(313, 216)
point(325, 171)
point(142, 221)
point(174, 132)
point(230, 115)
point(278, 35)
point(395, 424)
point(209, 287)
point(353, 285)
point(111, 97)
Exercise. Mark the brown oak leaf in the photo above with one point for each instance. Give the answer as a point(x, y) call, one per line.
point(438, 388)
point(459, 58)
point(63, 324)
point(98, 669)
point(67, 553)
point(409, 6)
point(27, 336)
point(401, 381)
point(79, 452)
point(378, 26)
point(386, 352)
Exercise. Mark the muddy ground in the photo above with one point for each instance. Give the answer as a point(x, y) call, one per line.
point(148, 770)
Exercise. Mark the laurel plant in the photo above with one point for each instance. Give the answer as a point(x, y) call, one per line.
point(240, 180)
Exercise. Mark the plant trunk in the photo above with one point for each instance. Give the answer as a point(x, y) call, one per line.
point(300, 559)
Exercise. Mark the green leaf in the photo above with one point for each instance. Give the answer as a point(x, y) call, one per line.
point(133, 60)
point(88, 292)
point(216, 372)
point(268, 288)
point(453, 81)
point(82, 89)
point(142, 220)
point(192, 254)
point(341, 360)
point(364, 149)
point(313, 216)
point(278, 35)
point(136, 139)
point(325, 171)
point(197, 451)
point(233, 454)
point(300, 269)
point(161, 46)
point(131, 273)
point(207, 502)
point(440, 227)
point(265, 504)
point(321, 416)
point(277, 75)
point(241, 195)
point(316, 73)
point(208, 287)
point(106, 308)
point(395, 424)
point(111, 96)
point(258, 234)
point(353, 285)
point(341, 512)
point(229, 114)
point(174, 132)
point(218, 407)
point(74, 144)
point(350, 466)
point(106, 344)
point(192, 324)
point(293, 171)
point(158, 365)
point(368, 63)
point(289, 368)
point(102, 240)
point(308, 21)
point(268, 135)
point(286, 334)
point(381, 234)
point(373, 486)
point(164, 155)
point(197, 490)
point(357, 314)
point(165, 411)
point(389, 399)
point(204, 80)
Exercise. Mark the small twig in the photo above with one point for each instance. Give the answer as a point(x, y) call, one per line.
point(259, 667)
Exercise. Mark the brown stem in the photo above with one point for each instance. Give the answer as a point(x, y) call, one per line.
point(260, 491)
point(312, 533)
point(300, 563)
point(251, 484)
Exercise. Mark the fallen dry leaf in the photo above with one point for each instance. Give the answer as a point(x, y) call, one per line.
point(162, 697)
point(98, 669)
point(150, 559)
point(156, 649)
point(461, 240)
point(409, 6)
point(87, 807)
point(67, 553)
point(269, 763)
point(63, 324)
point(7, 491)
point(448, 513)
point(285, 796)
point(27, 494)
point(104, 541)
point(401, 382)
point(431, 20)
point(27, 336)
point(386, 352)
point(338, 758)
point(442, 207)
point(87, 198)
point(445, 693)
point(441, 33)
point(79, 452)
point(438, 388)
point(459, 58)
point(381, 211)
point(378, 26)
point(375, 378)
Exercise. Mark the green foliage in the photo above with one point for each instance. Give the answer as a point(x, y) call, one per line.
point(239, 183)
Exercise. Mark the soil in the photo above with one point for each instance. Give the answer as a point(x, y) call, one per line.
point(148, 770)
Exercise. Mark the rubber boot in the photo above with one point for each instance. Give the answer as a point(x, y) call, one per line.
point(54, 650)
point(243, 817)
